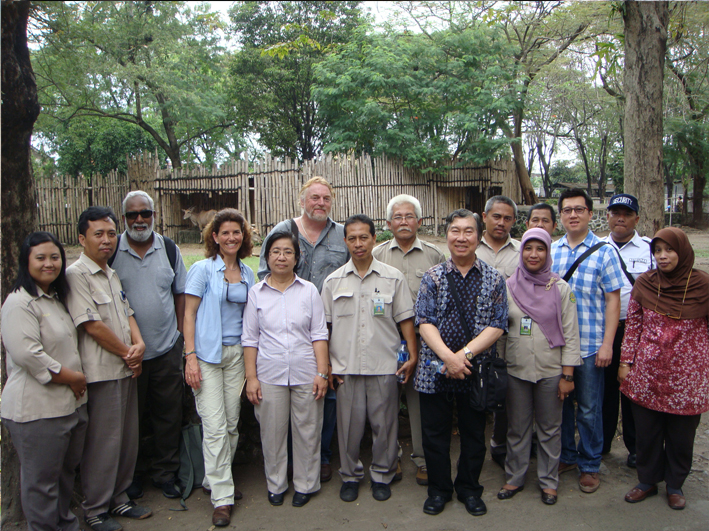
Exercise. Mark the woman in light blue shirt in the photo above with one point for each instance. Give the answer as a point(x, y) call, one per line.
point(216, 294)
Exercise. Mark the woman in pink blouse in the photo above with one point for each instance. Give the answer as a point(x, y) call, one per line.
point(664, 367)
point(286, 357)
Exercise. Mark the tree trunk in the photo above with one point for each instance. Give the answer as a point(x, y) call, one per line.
point(645, 46)
point(584, 158)
point(602, 162)
point(525, 183)
point(20, 109)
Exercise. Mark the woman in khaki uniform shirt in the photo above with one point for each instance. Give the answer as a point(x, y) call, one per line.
point(542, 350)
point(43, 401)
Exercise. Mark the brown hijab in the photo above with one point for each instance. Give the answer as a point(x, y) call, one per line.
point(677, 297)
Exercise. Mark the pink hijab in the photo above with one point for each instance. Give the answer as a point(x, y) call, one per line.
point(536, 293)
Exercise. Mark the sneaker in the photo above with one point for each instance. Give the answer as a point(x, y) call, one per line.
point(589, 482)
point(102, 522)
point(131, 510)
point(422, 475)
point(135, 490)
point(170, 489)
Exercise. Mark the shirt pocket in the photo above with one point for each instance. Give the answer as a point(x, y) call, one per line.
point(336, 256)
point(102, 300)
point(388, 301)
point(164, 277)
point(343, 304)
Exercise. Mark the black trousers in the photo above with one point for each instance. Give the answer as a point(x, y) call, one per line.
point(160, 407)
point(665, 446)
point(613, 400)
point(436, 424)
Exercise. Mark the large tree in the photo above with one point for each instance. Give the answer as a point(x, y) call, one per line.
point(272, 74)
point(428, 99)
point(157, 65)
point(538, 32)
point(19, 112)
point(645, 47)
point(688, 97)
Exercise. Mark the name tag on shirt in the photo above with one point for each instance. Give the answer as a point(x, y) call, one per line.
point(525, 326)
point(378, 306)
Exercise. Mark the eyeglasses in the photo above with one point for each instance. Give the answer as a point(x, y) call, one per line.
point(227, 294)
point(145, 214)
point(285, 252)
point(408, 218)
point(579, 210)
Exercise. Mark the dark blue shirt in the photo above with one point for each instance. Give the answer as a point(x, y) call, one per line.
point(483, 295)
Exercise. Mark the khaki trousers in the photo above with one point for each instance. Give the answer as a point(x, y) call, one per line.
point(295, 405)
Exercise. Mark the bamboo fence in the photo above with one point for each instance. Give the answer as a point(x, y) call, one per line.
point(268, 191)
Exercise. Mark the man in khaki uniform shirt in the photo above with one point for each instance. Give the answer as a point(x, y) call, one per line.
point(111, 350)
point(413, 258)
point(500, 251)
point(364, 300)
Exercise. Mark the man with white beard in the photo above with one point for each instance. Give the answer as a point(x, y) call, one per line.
point(153, 275)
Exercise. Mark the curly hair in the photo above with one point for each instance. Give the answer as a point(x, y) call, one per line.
point(211, 249)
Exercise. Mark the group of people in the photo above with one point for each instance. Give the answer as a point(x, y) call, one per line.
point(98, 350)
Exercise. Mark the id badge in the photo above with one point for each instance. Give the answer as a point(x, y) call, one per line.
point(525, 326)
point(378, 307)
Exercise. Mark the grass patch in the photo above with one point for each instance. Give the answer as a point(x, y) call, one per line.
point(701, 253)
point(251, 261)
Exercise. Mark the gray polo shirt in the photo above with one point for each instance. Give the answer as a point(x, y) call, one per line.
point(149, 284)
point(316, 262)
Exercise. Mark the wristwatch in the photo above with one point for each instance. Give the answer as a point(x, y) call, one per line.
point(568, 377)
point(322, 375)
point(468, 353)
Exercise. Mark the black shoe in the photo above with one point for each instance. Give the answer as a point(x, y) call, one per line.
point(103, 522)
point(300, 499)
point(170, 489)
point(499, 459)
point(548, 499)
point(135, 491)
point(474, 505)
point(380, 491)
point(632, 461)
point(435, 504)
point(349, 491)
point(276, 499)
point(506, 494)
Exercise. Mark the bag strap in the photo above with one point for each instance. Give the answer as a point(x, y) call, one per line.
point(294, 228)
point(456, 298)
point(624, 267)
point(580, 259)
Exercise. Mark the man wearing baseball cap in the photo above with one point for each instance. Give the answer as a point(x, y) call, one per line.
point(634, 252)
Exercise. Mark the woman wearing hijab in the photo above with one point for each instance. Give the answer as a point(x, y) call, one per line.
point(542, 350)
point(664, 365)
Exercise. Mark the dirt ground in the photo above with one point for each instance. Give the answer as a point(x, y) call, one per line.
point(602, 510)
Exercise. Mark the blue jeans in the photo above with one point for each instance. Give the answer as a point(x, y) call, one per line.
point(588, 380)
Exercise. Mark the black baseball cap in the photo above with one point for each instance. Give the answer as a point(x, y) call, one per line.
point(625, 200)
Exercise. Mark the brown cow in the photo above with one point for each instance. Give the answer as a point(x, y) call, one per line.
point(199, 219)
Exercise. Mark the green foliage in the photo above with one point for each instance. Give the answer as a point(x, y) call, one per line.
point(563, 171)
point(271, 76)
point(424, 98)
point(156, 65)
point(384, 236)
point(92, 145)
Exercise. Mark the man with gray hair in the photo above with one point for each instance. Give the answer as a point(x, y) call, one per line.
point(413, 257)
point(153, 275)
point(500, 251)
